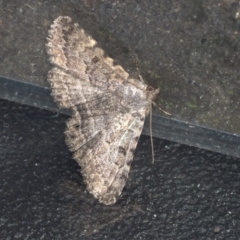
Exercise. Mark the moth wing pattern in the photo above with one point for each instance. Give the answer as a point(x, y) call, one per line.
point(108, 108)
point(105, 159)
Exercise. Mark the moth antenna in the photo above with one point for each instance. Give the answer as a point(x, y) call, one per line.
point(155, 105)
point(151, 135)
point(141, 79)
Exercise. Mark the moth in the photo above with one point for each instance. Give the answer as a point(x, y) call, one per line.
point(108, 108)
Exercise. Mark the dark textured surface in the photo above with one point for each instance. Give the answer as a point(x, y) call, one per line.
point(187, 193)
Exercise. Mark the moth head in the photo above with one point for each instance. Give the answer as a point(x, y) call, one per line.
point(152, 93)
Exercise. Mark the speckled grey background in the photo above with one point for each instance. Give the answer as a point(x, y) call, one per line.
point(187, 193)
point(190, 49)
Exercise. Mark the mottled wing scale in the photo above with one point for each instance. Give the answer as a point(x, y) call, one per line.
point(108, 108)
point(116, 145)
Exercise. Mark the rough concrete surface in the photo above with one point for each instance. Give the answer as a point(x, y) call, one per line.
point(190, 49)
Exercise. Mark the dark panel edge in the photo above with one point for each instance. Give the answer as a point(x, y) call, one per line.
point(166, 128)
